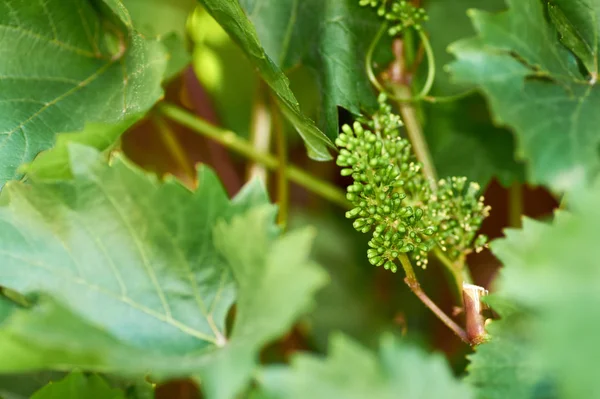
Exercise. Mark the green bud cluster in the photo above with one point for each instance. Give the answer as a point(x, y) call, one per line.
point(400, 14)
point(392, 197)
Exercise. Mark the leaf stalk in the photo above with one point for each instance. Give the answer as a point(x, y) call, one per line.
point(233, 142)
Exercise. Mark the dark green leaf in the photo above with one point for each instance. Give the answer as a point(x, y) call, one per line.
point(464, 142)
point(571, 38)
point(534, 86)
point(232, 18)
point(131, 278)
point(461, 136)
point(350, 371)
point(329, 36)
point(64, 64)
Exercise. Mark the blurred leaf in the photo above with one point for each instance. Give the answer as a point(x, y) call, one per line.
point(160, 17)
point(77, 386)
point(350, 371)
point(136, 277)
point(53, 164)
point(353, 288)
point(571, 38)
point(166, 20)
point(178, 56)
point(22, 386)
point(224, 71)
point(551, 273)
point(506, 367)
point(464, 142)
point(231, 17)
point(534, 85)
point(58, 76)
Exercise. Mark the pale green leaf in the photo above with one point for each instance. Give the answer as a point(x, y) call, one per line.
point(131, 278)
point(166, 20)
point(160, 17)
point(54, 163)
point(506, 367)
point(397, 371)
point(63, 63)
point(534, 86)
point(78, 386)
point(231, 17)
point(551, 274)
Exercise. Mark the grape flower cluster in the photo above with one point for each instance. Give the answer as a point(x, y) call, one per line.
point(400, 14)
point(392, 197)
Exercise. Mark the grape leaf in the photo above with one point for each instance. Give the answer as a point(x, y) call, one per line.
point(136, 277)
point(77, 386)
point(329, 36)
point(506, 367)
point(462, 138)
point(160, 17)
point(551, 273)
point(22, 386)
point(232, 18)
point(165, 20)
point(464, 142)
point(54, 163)
point(350, 371)
point(63, 64)
point(534, 85)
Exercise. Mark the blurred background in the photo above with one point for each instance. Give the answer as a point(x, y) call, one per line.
point(221, 86)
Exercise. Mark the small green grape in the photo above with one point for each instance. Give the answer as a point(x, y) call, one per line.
point(400, 14)
point(393, 199)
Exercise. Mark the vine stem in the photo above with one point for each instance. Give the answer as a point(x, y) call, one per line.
point(283, 195)
point(515, 205)
point(260, 132)
point(413, 283)
point(173, 145)
point(416, 137)
point(232, 141)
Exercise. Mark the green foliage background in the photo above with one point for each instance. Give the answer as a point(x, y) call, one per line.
point(118, 278)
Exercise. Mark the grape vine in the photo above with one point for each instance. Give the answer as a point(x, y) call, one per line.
point(393, 198)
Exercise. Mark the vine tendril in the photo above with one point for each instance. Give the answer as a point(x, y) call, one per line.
point(430, 67)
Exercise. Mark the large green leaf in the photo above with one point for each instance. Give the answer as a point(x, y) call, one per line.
point(54, 163)
point(535, 86)
point(232, 18)
point(136, 277)
point(350, 371)
point(329, 36)
point(77, 386)
point(461, 136)
point(507, 367)
point(551, 274)
point(64, 63)
point(464, 142)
